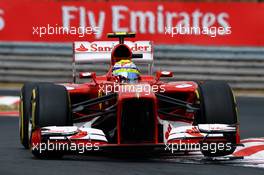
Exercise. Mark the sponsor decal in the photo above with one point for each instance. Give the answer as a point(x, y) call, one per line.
point(183, 86)
point(189, 23)
point(102, 47)
point(81, 48)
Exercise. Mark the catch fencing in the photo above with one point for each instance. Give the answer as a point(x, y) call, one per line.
point(241, 67)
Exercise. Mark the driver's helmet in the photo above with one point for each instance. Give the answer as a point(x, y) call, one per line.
point(126, 70)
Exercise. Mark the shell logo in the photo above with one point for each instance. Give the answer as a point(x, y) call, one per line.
point(183, 85)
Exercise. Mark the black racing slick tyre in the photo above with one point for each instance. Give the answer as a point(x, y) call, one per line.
point(217, 106)
point(25, 113)
point(50, 106)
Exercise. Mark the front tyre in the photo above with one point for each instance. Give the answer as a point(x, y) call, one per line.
point(50, 107)
point(217, 106)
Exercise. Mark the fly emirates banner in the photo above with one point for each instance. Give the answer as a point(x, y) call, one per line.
point(231, 24)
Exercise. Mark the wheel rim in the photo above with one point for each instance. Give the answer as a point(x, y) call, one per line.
point(29, 131)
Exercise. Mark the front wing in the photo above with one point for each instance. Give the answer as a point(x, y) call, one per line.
point(73, 139)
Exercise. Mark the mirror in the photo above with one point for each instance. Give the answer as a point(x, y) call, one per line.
point(163, 74)
point(83, 75)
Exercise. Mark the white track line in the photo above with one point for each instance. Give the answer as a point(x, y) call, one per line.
point(9, 100)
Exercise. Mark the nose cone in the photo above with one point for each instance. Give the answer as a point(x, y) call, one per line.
point(136, 91)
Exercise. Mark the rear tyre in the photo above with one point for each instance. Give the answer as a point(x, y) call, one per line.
point(24, 113)
point(50, 107)
point(218, 106)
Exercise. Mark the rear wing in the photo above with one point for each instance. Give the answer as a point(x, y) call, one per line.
point(94, 52)
point(100, 52)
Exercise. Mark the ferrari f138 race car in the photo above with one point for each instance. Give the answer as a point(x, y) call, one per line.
point(126, 110)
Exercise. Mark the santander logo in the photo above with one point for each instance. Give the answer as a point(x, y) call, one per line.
point(81, 48)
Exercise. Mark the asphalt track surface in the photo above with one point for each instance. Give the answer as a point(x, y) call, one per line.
point(16, 160)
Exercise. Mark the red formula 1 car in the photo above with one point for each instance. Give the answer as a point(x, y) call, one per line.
point(125, 110)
